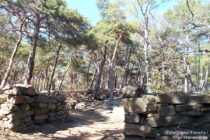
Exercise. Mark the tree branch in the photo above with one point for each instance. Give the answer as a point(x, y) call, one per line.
point(190, 10)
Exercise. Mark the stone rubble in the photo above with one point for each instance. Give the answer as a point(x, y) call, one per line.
point(164, 116)
point(21, 106)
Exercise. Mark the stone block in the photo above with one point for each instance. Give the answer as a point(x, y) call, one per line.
point(188, 107)
point(171, 98)
point(132, 118)
point(205, 99)
point(202, 120)
point(27, 120)
point(40, 117)
point(52, 106)
point(20, 100)
point(20, 115)
point(43, 105)
point(198, 99)
point(149, 97)
point(139, 105)
point(204, 127)
point(39, 121)
point(9, 107)
point(139, 130)
point(52, 99)
point(132, 92)
point(154, 122)
point(64, 106)
point(40, 111)
point(205, 109)
point(61, 98)
point(191, 113)
point(52, 115)
point(25, 107)
point(41, 99)
point(60, 113)
point(171, 120)
point(26, 89)
point(161, 121)
point(24, 114)
point(166, 110)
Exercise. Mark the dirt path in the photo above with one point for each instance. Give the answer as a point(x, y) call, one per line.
point(99, 122)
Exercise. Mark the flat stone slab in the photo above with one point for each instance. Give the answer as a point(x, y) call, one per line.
point(198, 99)
point(139, 130)
point(162, 121)
point(43, 105)
point(20, 115)
point(41, 111)
point(139, 105)
point(171, 98)
point(167, 110)
point(40, 117)
point(53, 100)
point(25, 107)
point(52, 106)
point(188, 107)
point(132, 118)
point(20, 100)
point(204, 119)
point(25, 89)
point(42, 99)
point(132, 92)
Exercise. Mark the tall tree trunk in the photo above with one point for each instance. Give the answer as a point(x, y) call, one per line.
point(146, 58)
point(63, 77)
point(31, 58)
point(111, 79)
point(112, 69)
point(206, 84)
point(39, 81)
point(126, 68)
point(92, 79)
point(87, 78)
point(140, 75)
point(100, 71)
point(187, 71)
point(54, 68)
point(197, 71)
point(46, 78)
point(6, 75)
point(163, 72)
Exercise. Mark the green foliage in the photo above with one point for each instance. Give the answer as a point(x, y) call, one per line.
point(83, 46)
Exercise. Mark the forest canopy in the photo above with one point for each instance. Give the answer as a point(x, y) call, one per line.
point(52, 47)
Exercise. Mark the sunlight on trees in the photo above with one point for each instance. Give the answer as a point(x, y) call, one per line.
point(45, 44)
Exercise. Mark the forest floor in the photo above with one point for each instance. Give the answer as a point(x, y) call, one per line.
point(101, 121)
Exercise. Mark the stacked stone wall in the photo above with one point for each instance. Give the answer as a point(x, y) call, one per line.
point(21, 107)
point(166, 116)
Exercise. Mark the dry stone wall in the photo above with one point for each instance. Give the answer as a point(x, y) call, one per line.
point(21, 107)
point(166, 116)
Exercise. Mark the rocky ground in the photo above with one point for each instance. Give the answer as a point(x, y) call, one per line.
point(94, 121)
